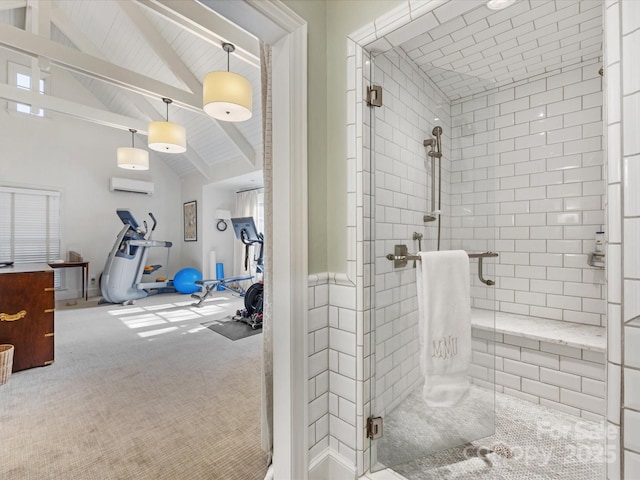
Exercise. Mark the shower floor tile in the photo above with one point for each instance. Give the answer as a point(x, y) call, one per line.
point(530, 442)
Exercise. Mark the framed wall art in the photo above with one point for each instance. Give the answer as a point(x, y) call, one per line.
point(190, 210)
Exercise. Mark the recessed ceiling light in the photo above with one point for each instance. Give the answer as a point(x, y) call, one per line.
point(499, 4)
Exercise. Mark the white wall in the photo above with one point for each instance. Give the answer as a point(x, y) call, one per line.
point(209, 198)
point(212, 239)
point(549, 192)
point(191, 188)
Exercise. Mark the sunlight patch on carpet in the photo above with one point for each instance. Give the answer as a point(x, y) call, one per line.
point(160, 331)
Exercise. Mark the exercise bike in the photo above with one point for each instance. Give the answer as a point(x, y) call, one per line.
point(121, 280)
point(246, 232)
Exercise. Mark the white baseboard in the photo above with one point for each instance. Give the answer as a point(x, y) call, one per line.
point(331, 466)
point(386, 474)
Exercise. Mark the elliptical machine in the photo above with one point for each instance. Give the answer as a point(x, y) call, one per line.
point(246, 232)
point(121, 280)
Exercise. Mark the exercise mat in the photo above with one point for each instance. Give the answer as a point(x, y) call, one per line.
point(232, 329)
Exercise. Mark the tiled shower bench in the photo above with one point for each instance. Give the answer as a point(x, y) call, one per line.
point(557, 364)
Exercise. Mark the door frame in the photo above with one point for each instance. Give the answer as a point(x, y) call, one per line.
point(290, 252)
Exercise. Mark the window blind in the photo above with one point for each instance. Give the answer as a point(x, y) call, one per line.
point(30, 226)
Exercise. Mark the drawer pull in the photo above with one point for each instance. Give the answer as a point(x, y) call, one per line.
point(5, 317)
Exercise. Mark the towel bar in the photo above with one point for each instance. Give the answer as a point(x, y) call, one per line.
point(403, 259)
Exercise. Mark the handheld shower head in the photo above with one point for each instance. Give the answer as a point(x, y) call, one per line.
point(437, 131)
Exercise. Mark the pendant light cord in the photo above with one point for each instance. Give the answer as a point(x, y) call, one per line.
point(167, 101)
point(228, 47)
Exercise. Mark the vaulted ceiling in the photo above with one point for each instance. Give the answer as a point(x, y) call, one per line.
point(131, 54)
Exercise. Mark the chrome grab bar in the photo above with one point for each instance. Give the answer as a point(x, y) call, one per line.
point(391, 256)
point(401, 261)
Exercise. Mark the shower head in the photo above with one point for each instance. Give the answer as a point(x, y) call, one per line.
point(437, 131)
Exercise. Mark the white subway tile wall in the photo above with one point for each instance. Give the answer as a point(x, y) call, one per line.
point(413, 107)
point(549, 170)
point(566, 378)
point(549, 193)
point(622, 22)
point(318, 386)
point(536, 184)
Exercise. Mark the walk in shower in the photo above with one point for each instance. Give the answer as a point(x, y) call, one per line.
point(488, 138)
point(426, 196)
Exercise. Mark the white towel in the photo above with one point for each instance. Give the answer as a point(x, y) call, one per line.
point(444, 313)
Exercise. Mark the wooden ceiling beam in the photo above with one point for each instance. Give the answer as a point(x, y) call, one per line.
point(96, 67)
point(72, 109)
point(73, 60)
point(84, 44)
point(143, 104)
point(157, 42)
point(12, 4)
point(208, 25)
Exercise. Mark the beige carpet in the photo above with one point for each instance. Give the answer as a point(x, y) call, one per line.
point(137, 392)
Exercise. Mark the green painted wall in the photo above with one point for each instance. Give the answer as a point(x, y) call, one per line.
point(315, 12)
point(329, 23)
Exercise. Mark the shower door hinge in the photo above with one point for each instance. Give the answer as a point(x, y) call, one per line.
point(374, 428)
point(374, 96)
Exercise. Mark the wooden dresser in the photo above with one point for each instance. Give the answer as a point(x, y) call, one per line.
point(27, 305)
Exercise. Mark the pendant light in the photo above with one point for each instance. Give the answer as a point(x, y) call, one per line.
point(132, 158)
point(167, 137)
point(227, 96)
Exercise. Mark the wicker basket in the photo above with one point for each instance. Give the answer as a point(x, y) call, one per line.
point(6, 363)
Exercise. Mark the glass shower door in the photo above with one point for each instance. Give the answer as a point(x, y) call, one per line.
point(432, 189)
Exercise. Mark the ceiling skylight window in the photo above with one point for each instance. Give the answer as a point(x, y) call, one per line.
point(499, 4)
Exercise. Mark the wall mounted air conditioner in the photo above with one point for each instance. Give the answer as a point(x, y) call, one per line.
point(132, 186)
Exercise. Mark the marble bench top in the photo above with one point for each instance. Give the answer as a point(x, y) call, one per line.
point(589, 337)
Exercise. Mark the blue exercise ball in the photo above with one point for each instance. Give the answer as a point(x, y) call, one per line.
point(185, 280)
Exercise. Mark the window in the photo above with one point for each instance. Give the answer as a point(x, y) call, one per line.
point(20, 76)
point(29, 226)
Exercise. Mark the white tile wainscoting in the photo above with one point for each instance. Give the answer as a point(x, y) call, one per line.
point(318, 337)
point(338, 364)
point(547, 362)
